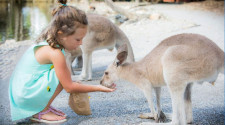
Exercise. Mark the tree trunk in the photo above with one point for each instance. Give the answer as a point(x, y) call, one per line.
point(120, 10)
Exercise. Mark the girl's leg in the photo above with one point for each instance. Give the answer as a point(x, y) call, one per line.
point(57, 91)
point(51, 116)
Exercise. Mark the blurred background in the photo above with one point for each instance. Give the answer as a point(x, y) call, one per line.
point(25, 19)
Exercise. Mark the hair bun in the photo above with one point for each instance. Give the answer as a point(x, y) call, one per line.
point(62, 1)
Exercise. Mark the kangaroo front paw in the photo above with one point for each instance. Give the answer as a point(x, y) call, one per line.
point(82, 78)
point(189, 121)
point(147, 116)
point(161, 117)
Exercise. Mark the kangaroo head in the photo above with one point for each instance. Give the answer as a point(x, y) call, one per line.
point(112, 71)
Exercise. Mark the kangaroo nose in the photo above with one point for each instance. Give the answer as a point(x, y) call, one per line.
point(101, 82)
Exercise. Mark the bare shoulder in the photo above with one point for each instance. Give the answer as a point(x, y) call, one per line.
point(46, 54)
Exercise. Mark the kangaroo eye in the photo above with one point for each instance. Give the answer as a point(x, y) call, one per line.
point(106, 73)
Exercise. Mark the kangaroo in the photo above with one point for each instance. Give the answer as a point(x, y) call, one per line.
point(177, 62)
point(101, 34)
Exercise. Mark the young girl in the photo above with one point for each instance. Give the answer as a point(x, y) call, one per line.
point(42, 73)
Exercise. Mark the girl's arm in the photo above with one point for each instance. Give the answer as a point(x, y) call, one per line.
point(47, 54)
point(64, 76)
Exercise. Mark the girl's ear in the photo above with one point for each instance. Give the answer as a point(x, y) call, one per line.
point(61, 36)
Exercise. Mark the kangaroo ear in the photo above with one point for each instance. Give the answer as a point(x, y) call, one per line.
point(121, 54)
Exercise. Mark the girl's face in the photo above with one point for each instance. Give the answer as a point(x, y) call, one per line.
point(73, 41)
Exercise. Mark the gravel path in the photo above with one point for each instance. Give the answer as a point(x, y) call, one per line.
point(123, 106)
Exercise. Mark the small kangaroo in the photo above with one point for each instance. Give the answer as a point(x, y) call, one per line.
point(101, 34)
point(177, 62)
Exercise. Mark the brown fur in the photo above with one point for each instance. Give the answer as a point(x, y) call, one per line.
point(102, 34)
point(177, 62)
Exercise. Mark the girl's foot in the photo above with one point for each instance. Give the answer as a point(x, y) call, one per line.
point(56, 110)
point(48, 116)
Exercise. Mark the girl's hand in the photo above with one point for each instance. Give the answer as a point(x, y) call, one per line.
point(105, 89)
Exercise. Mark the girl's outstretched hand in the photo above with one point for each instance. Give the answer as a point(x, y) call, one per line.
point(105, 89)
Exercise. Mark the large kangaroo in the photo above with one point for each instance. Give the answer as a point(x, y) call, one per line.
point(177, 62)
point(101, 34)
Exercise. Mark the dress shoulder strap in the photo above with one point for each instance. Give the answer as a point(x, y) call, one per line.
point(45, 43)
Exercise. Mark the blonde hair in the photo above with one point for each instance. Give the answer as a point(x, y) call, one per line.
point(66, 19)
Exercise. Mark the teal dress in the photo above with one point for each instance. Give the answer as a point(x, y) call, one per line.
point(31, 85)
